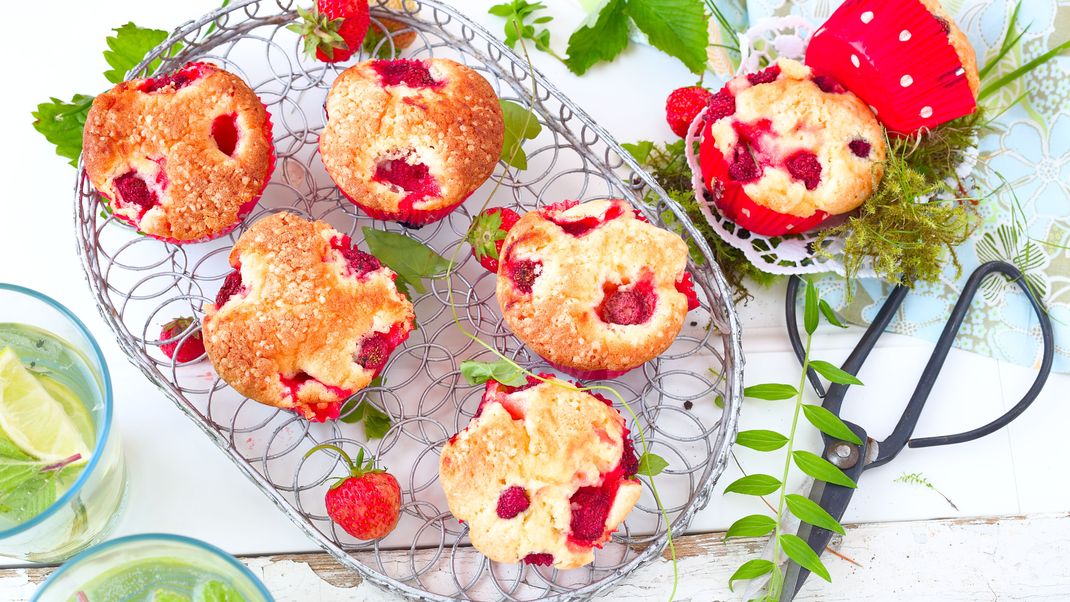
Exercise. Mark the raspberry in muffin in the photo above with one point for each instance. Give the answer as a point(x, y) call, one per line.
point(542, 474)
point(305, 319)
point(906, 59)
point(409, 140)
point(182, 157)
point(784, 149)
point(592, 287)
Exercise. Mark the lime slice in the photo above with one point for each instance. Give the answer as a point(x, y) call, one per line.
point(32, 419)
point(72, 406)
point(166, 595)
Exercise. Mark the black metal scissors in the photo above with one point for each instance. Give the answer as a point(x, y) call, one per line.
point(856, 459)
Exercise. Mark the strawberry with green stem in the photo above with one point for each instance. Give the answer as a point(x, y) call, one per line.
point(366, 503)
point(487, 234)
point(181, 351)
point(333, 29)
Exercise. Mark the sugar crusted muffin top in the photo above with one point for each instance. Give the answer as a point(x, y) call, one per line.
point(306, 319)
point(592, 286)
point(410, 136)
point(797, 142)
point(182, 157)
point(542, 474)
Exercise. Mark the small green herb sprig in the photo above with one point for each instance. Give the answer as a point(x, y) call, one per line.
point(28, 486)
point(767, 441)
point(916, 478)
point(521, 21)
point(360, 409)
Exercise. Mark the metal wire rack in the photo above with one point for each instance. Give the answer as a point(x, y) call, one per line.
point(141, 283)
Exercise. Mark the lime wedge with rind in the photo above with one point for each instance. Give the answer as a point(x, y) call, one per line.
point(33, 420)
point(72, 405)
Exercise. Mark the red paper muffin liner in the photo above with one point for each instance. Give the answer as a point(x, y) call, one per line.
point(413, 218)
point(895, 56)
point(737, 206)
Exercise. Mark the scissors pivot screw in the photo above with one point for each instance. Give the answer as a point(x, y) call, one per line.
point(842, 455)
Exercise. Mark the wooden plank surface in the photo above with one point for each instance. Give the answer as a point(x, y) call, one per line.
point(996, 558)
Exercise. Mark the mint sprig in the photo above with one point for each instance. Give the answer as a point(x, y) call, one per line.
point(507, 373)
point(411, 260)
point(27, 485)
point(376, 422)
point(520, 125)
point(520, 22)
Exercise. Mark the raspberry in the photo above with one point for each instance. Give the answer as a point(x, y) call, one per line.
point(590, 507)
point(133, 191)
point(414, 178)
point(584, 225)
point(512, 502)
point(523, 274)
point(225, 133)
point(179, 79)
point(743, 167)
point(860, 147)
point(803, 165)
point(231, 286)
point(405, 72)
point(627, 307)
point(721, 105)
point(539, 559)
point(764, 76)
point(683, 105)
point(358, 262)
point(828, 85)
point(629, 463)
point(374, 351)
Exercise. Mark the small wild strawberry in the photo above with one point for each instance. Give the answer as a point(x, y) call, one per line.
point(487, 235)
point(683, 105)
point(179, 350)
point(366, 504)
point(333, 30)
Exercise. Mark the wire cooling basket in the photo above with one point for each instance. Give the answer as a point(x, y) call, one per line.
point(141, 283)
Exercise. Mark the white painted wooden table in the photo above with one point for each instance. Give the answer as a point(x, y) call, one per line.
point(179, 482)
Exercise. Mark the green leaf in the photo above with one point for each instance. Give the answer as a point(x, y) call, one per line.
point(61, 124)
point(719, 401)
point(501, 10)
point(833, 373)
point(755, 484)
point(829, 423)
point(678, 28)
point(750, 570)
point(830, 314)
point(761, 440)
point(810, 308)
point(376, 422)
point(128, 47)
point(993, 87)
point(799, 551)
point(821, 469)
point(651, 464)
point(503, 371)
point(770, 392)
point(411, 259)
point(520, 124)
point(217, 591)
point(600, 41)
point(754, 525)
point(640, 151)
point(809, 511)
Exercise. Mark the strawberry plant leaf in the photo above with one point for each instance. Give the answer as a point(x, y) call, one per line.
point(640, 151)
point(61, 123)
point(678, 28)
point(833, 373)
point(770, 392)
point(751, 569)
point(651, 464)
point(128, 47)
point(520, 124)
point(754, 525)
point(600, 41)
point(761, 440)
point(376, 422)
point(821, 469)
point(829, 423)
point(830, 314)
point(755, 484)
point(810, 308)
point(807, 510)
point(799, 551)
point(507, 373)
point(411, 259)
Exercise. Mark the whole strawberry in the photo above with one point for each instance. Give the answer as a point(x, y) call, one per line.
point(683, 105)
point(488, 233)
point(365, 504)
point(334, 29)
point(179, 350)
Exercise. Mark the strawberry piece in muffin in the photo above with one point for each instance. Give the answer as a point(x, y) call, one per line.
point(182, 157)
point(542, 475)
point(305, 320)
point(409, 140)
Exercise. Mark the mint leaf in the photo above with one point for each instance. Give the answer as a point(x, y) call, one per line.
point(61, 124)
point(507, 373)
point(651, 464)
point(129, 46)
point(520, 124)
point(676, 27)
point(411, 259)
point(603, 40)
point(640, 151)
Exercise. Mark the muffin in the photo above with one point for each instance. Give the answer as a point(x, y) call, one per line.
point(784, 149)
point(409, 140)
point(305, 320)
point(542, 474)
point(592, 287)
point(907, 59)
point(182, 157)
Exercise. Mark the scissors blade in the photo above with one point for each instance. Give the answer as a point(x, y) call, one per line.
point(834, 499)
